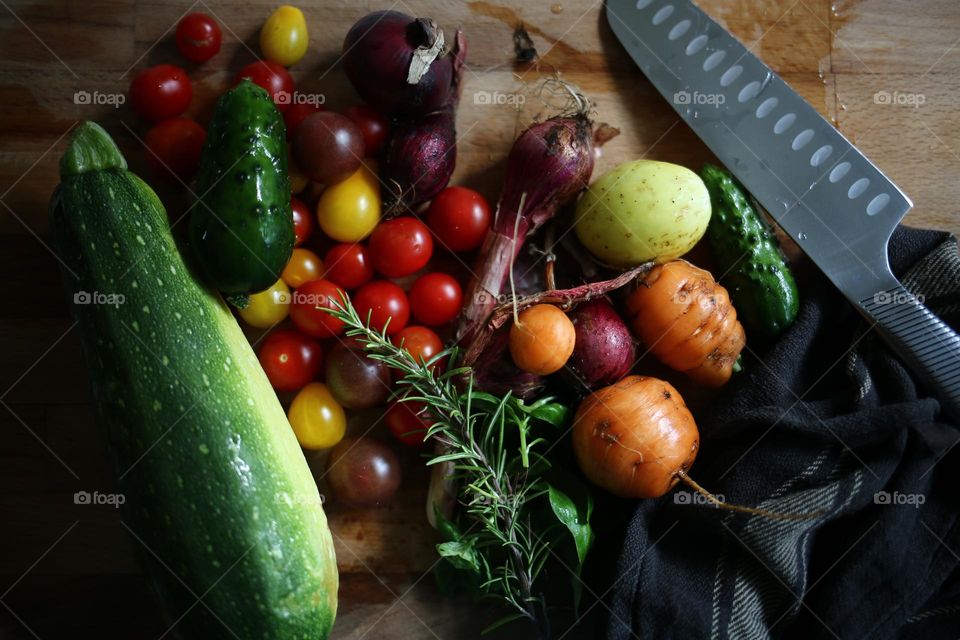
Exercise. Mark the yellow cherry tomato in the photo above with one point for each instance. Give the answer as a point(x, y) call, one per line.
point(298, 181)
point(304, 266)
point(317, 418)
point(348, 211)
point(283, 38)
point(267, 308)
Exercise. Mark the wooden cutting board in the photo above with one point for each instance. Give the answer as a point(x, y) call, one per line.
point(884, 71)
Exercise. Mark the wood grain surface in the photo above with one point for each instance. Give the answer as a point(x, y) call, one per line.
point(72, 569)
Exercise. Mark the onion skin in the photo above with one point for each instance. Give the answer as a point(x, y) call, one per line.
point(549, 164)
point(635, 438)
point(495, 372)
point(604, 350)
point(418, 160)
point(687, 321)
point(377, 53)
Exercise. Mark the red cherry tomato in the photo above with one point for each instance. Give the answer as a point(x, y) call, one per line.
point(290, 359)
point(302, 221)
point(161, 92)
point(373, 126)
point(420, 342)
point(383, 300)
point(272, 77)
point(198, 37)
point(173, 146)
point(348, 265)
point(460, 218)
point(307, 312)
point(400, 246)
point(407, 422)
point(435, 299)
point(297, 113)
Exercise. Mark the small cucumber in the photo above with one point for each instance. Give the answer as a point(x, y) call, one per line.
point(241, 229)
point(753, 268)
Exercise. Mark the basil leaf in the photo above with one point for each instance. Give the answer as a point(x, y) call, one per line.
point(460, 553)
point(575, 518)
point(552, 413)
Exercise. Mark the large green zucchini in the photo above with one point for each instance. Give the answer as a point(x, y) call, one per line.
point(217, 489)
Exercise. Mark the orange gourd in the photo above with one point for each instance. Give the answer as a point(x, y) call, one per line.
point(687, 321)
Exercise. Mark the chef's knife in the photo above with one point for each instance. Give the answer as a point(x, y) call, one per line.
point(837, 205)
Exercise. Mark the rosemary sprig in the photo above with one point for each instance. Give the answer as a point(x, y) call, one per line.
point(491, 444)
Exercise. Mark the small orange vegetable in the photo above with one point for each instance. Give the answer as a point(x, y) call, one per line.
point(635, 438)
point(542, 339)
point(687, 321)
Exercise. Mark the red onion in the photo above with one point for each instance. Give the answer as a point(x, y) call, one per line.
point(402, 65)
point(549, 163)
point(418, 160)
point(604, 350)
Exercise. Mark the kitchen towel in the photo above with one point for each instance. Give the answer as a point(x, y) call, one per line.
point(829, 424)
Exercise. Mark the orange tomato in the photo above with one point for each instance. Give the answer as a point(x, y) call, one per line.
point(304, 266)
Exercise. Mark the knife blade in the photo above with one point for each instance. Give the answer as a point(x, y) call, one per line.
point(818, 187)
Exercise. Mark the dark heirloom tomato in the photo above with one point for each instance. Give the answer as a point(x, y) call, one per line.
point(356, 381)
point(363, 472)
point(328, 147)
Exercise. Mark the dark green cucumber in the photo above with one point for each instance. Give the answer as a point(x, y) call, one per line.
point(218, 493)
point(241, 229)
point(755, 271)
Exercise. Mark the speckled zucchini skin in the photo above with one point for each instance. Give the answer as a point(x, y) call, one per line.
point(241, 229)
point(755, 271)
point(217, 490)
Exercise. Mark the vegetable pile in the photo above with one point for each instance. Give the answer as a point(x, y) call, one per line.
point(549, 364)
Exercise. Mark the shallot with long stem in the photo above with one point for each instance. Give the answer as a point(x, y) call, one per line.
point(549, 164)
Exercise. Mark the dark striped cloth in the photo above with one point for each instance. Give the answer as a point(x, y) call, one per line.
point(829, 424)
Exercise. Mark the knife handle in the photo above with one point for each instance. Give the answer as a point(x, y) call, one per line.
point(929, 347)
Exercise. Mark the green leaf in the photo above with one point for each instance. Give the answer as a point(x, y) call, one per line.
point(576, 518)
point(461, 553)
point(447, 528)
point(552, 413)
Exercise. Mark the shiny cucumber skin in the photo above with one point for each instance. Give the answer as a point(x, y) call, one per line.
point(241, 229)
point(752, 266)
point(218, 493)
